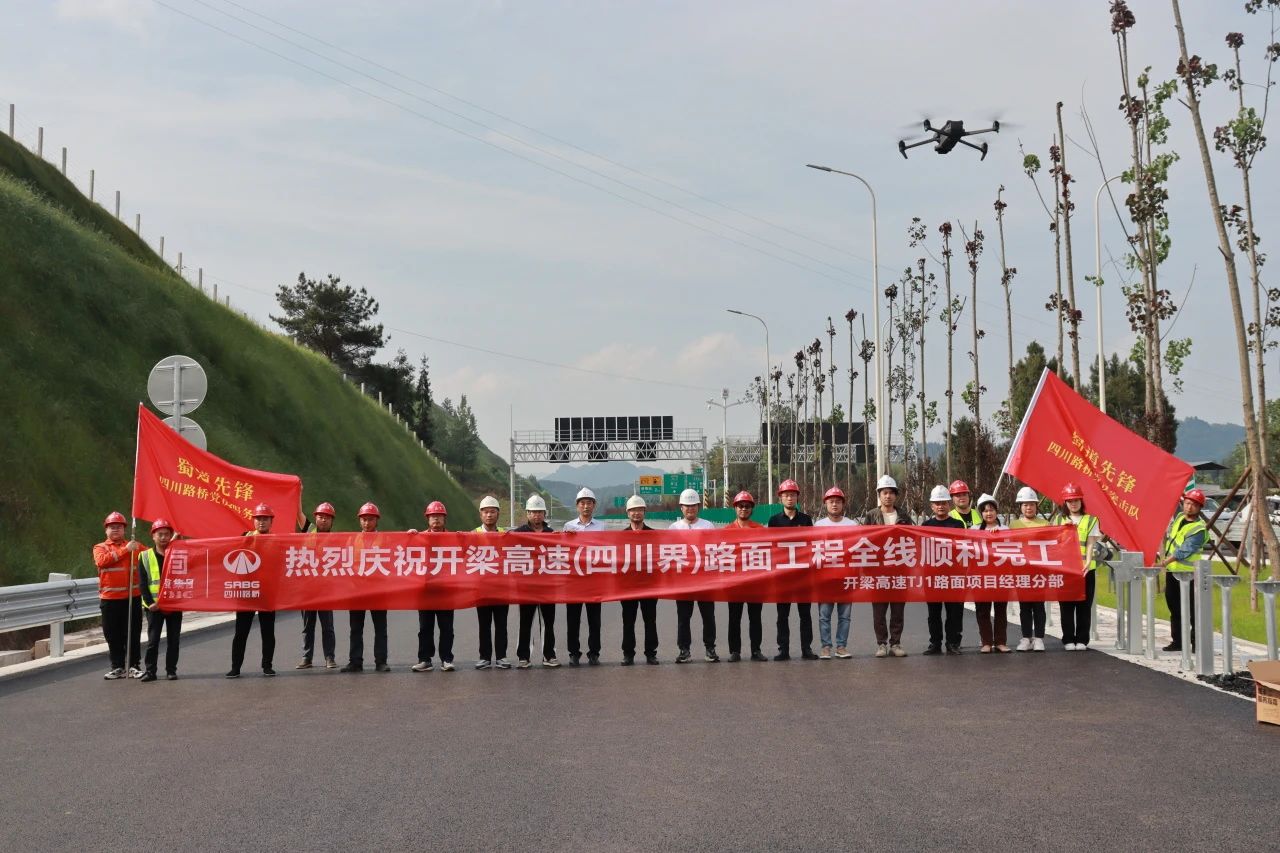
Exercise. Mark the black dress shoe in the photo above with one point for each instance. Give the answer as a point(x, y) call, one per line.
point(148, 676)
point(382, 667)
point(628, 660)
point(352, 667)
point(809, 654)
point(782, 656)
point(171, 676)
point(933, 649)
point(234, 673)
point(575, 658)
point(267, 672)
point(734, 657)
point(652, 660)
point(757, 656)
point(1172, 647)
point(593, 658)
point(953, 649)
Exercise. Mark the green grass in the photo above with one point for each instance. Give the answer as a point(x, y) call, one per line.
point(83, 319)
point(1245, 623)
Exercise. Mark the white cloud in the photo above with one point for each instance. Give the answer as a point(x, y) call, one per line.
point(127, 15)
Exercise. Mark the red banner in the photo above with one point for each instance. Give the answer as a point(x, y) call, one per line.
point(1131, 485)
point(451, 571)
point(201, 494)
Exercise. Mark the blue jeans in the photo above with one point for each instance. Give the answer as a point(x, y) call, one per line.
point(842, 623)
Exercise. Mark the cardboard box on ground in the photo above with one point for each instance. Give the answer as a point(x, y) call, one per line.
point(1266, 676)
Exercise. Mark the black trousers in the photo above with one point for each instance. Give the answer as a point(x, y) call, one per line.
point(1032, 616)
point(527, 614)
point(648, 608)
point(888, 631)
point(1173, 598)
point(755, 631)
point(171, 622)
point(573, 627)
point(805, 614)
point(1077, 616)
point(493, 644)
point(427, 622)
point(119, 632)
point(954, 625)
point(266, 628)
point(684, 616)
point(356, 656)
point(328, 641)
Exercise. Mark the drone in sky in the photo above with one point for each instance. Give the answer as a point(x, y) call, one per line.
point(948, 136)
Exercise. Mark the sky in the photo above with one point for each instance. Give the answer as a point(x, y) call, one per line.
point(556, 202)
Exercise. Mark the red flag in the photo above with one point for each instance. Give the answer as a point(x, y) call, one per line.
point(1131, 485)
point(201, 494)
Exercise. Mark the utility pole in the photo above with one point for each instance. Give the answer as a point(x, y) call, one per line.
point(725, 406)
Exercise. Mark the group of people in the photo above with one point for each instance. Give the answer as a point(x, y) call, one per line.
point(125, 600)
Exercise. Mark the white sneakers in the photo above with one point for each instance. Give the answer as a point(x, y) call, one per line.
point(1037, 645)
point(446, 666)
point(882, 650)
point(1024, 645)
point(898, 651)
point(1075, 647)
point(421, 666)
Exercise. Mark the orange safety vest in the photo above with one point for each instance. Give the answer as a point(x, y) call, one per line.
point(113, 562)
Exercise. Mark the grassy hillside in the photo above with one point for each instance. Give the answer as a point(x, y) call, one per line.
point(83, 319)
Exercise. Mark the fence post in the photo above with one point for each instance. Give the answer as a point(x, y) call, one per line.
point(162, 247)
point(12, 107)
point(40, 142)
point(57, 631)
point(117, 204)
point(64, 159)
point(137, 223)
point(92, 176)
point(200, 278)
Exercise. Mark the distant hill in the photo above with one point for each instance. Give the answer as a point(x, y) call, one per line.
point(1201, 441)
point(599, 474)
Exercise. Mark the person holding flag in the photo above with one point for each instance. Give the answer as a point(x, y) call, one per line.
point(323, 516)
point(888, 632)
point(493, 617)
point(743, 505)
point(428, 620)
point(120, 597)
point(1077, 615)
point(943, 516)
point(1183, 541)
point(1031, 614)
point(833, 502)
point(263, 518)
point(648, 607)
point(993, 636)
point(368, 518)
point(169, 621)
point(791, 516)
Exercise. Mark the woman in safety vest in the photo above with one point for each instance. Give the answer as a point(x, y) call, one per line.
point(1031, 614)
point(1183, 541)
point(1077, 615)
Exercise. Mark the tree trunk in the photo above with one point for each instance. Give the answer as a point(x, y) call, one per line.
point(1253, 446)
point(977, 385)
point(946, 278)
point(1057, 269)
point(1066, 228)
point(848, 462)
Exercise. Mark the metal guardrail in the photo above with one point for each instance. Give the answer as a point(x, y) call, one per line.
point(53, 603)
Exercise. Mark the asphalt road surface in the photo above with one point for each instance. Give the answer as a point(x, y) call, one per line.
point(1055, 751)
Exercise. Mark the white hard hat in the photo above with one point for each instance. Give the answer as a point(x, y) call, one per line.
point(535, 504)
point(1027, 495)
point(636, 502)
point(585, 494)
point(939, 494)
point(489, 502)
point(985, 498)
point(690, 497)
point(886, 482)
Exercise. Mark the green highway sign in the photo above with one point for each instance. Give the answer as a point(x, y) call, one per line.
point(649, 490)
point(620, 501)
point(673, 484)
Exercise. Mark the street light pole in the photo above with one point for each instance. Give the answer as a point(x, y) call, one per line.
point(882, 461)
point(725, 406)
point(768, 412)
point(1097, 286)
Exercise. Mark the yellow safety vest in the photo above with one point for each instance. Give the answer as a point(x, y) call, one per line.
point(973, 520)
point(152, 565)
point(1088, 524)
point(1179, 529)
point(481, 529)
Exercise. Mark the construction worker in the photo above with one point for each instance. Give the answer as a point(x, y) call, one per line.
point(743, 505)
point(1077, 615)
point(263, 518)
point(1183, 542)
point(492, 615)
point(944, 516)
point(962, 509)
point(120, 597)
point(833, 502)
point(648, 607)
point(585, 502)
point(368, 517)
point(170, 621)
point(690, 506)
point(428, 620)
point(323, 517)
point(888, 634)
point(1031, 614)
point(993, 634)
point(791, 516)
point(535, 510)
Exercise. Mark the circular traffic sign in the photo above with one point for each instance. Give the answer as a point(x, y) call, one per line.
point(177, 383)
point(189, 429)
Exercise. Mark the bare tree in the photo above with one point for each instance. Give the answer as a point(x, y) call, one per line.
point(974, 391)
point(866, 352)
point(1007, 274)
point(1195, 75)
point(849, 317)
point(831, 381)
point(1066, 205)
point(950, 316)
point(1031, 167)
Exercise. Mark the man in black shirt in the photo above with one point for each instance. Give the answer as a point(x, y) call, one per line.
point(536, 511)
point(791, 516)
point(647, 607)
point(940, 503)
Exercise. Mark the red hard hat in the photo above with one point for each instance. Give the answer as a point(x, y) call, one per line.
point(263, 511)
point(1071, 492)
point(115, 518)
point(325, 508)
point(788, 486)
point(1195, 495)
point(959, 487)
point(161, 524)
point(369, 508)
point(743, 498)
point(833, 492)
point(435, 508)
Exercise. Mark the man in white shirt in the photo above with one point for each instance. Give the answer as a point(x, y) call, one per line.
point(586, 504)
point(690, 506)
point(833, 503)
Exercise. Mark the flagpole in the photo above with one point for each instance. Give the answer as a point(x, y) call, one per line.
point(133, 555)
point(1021, 428)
